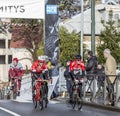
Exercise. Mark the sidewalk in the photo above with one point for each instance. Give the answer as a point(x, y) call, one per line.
point(87, 103)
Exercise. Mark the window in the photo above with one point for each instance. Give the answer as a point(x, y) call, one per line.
point(2, 59)
point(2, 43)
point(116, 16)
point(9, 59)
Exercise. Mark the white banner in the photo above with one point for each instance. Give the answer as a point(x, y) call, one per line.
point(22, 9)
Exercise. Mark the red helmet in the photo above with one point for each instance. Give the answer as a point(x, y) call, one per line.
point(15, 59)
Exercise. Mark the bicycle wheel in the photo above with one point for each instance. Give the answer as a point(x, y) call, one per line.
point(15, 90)
point(79, 103)
point(74, 101)
point(45, 100)
point(34, 102)
point(41, 99)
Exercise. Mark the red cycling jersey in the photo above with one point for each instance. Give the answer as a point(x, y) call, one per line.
point(16, 70)
point(77, 65)
point(38, 68)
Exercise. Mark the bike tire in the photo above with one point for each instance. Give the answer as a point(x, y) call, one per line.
point(79, 103)
point(41, 99)
point(34, 102)
point(73, 101)
point(15, 91)
point(45, 96)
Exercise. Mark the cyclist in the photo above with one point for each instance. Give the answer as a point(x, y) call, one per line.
point(78, 65)
point(39, 70)
point(16, 70)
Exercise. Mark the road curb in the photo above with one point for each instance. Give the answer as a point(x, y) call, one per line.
point(104, 107)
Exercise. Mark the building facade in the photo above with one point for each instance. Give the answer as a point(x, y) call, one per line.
point(5, 52)
point(101, 12)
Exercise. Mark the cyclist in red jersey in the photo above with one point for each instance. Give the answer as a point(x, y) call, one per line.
point(39, 70)
point(77, 64)
point(16, 70)
point(77, 70)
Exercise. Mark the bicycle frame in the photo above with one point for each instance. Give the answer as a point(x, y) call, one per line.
point(38, 85)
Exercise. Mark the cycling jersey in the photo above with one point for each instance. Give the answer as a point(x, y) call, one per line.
point(16, 70)
point(37, 68)
point(75, 65)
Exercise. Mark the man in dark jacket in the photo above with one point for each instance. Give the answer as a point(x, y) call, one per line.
point(91, 67)
point(67, 76)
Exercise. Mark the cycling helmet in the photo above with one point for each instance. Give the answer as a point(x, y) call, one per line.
point(78, 56)
point(15, 59)
point(40, 59)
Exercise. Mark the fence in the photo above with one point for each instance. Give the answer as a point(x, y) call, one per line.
point(6, 93)
point(91, 91)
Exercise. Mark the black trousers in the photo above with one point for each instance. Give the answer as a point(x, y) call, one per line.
point(110, 90)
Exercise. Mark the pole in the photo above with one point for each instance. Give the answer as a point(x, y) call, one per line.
point(93, 26)
point(82, 27)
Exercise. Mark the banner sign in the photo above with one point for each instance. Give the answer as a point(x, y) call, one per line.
point(51, 9)
point(22, 9)
point(51, 30)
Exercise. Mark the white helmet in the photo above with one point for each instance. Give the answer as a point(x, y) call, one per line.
point(41, 59)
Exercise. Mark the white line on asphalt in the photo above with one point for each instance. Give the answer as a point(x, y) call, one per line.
point(10, 112)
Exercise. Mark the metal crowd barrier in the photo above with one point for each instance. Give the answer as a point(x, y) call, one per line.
point(6, 93)
point(91, 91)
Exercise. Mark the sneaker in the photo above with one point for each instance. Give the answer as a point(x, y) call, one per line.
point(18, 93)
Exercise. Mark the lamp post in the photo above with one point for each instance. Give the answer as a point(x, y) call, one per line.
point(93, 26)
point(82, 27)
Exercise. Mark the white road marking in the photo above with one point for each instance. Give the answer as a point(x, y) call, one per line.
point(26, 101)
point(54, 102)
point(10, 112)
point(23, 101)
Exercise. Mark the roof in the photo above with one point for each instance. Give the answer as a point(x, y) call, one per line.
point(74, 24)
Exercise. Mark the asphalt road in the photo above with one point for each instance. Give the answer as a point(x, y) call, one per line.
point(13, 108)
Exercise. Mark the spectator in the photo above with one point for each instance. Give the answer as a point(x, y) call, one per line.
point(67, 76)
point(91, 67)
point(55, 73)
point(100, 75)
point(49, 66)
point(110, 69)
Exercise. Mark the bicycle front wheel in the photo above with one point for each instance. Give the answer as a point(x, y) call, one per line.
point(45, 100)
point(34, 102)
point(79, 103)
point(76, 102)
point(15, 90)
point(41, 99)
point(74, 97)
